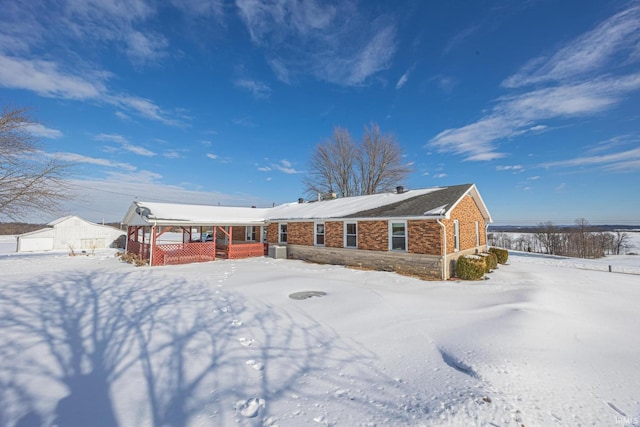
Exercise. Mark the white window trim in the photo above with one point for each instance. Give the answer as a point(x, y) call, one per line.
point(477, 233)
point(406, 236)
point(345, 234)
point(456, 235)
point(248, 233)
point(280, 224)
point(315, 233)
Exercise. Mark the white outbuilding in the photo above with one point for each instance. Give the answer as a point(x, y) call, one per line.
point(69, 233)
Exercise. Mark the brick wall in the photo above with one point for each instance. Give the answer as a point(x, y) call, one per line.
point(238, 233)
point(300, 233)
point(334, 234)
point(467, 213)
point(425, 237)
point(272, 233)
point(373, 235)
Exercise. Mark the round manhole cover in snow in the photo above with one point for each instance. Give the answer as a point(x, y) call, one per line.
point(307, 294)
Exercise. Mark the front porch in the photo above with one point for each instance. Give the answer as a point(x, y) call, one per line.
point(170, 245)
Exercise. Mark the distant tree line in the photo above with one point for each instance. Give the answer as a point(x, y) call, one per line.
point(581, 240)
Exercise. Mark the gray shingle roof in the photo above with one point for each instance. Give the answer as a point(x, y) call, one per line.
point(444, 198)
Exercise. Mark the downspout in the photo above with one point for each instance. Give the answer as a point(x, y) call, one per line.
point(444, 257)
point(486, 236)
point(153, 243)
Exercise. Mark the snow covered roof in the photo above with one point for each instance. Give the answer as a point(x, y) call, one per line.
point(429, 202)
point(145, 213)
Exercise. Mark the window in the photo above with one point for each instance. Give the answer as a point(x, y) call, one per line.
point(398, 231)
point(251, 234)
point(351, 235)
point(282, 235)
point(477, 234)
point(319, 234)
point(456, 235)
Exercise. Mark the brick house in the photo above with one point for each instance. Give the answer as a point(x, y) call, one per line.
point(418, 232)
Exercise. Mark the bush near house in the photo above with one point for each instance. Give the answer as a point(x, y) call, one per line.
point(470, 267)
point(502, 254)
point(490, 261)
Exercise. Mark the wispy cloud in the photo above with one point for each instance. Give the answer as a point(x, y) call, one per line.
point(47, 79)
point(513, 168)
point(212, 156)
point(331, 42)
point(623, 161)
point(41, 131)
point(460, 38)
point(611, 44)
point(403, 79)
point(124, 144)
point(577, 84)
point(285, 166)
point(259, 89)
point(79, 158)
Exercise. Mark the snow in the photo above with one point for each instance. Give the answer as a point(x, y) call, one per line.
point(89, 340)
point(340, 207)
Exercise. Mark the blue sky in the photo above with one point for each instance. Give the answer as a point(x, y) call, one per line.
point(222, 102)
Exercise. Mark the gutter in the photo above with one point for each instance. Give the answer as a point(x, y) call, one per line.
point(444, 256)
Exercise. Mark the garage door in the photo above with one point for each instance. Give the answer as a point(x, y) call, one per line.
point(35, 244)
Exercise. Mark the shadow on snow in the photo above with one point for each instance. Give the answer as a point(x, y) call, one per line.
point(82, 349)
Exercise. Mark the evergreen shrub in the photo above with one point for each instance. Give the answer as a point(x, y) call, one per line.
point(470, 267)
point(502, 254)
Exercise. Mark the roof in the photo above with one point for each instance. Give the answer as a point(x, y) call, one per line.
point(436, 203)
point(424, 203)
point(56, 222)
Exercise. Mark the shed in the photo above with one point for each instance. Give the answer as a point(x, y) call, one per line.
point(69, 233)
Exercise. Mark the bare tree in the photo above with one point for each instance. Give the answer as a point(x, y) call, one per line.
point(620, 242)
point(549, 236)
point(29, 180)
point(380, 161)
point(370, 166)
point(332, 166)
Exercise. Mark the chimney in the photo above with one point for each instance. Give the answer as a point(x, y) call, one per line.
point(300, 200)
point(399, 189)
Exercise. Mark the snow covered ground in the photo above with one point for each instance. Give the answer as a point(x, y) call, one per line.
point(91, 341)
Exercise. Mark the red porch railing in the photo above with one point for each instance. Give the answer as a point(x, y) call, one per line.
point(183, 253)
point(246, 250)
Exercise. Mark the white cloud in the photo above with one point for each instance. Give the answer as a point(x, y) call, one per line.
point(111, 137)
point(143, 48)
point(285, 166)
point(440, 175)
point(516, 168)
point(623, 161)
point(46, 79)
point(610, 44)
point(258, 89)
point(403, 80)
point(578, 85)
point(264, 169)
point(460, 38)
point(124, 144)
point(79, 158)
point(212, 156)
point(39, 130)
point(334, 43)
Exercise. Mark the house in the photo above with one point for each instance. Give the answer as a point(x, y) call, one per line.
point(418, 232)
point(69, 233)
